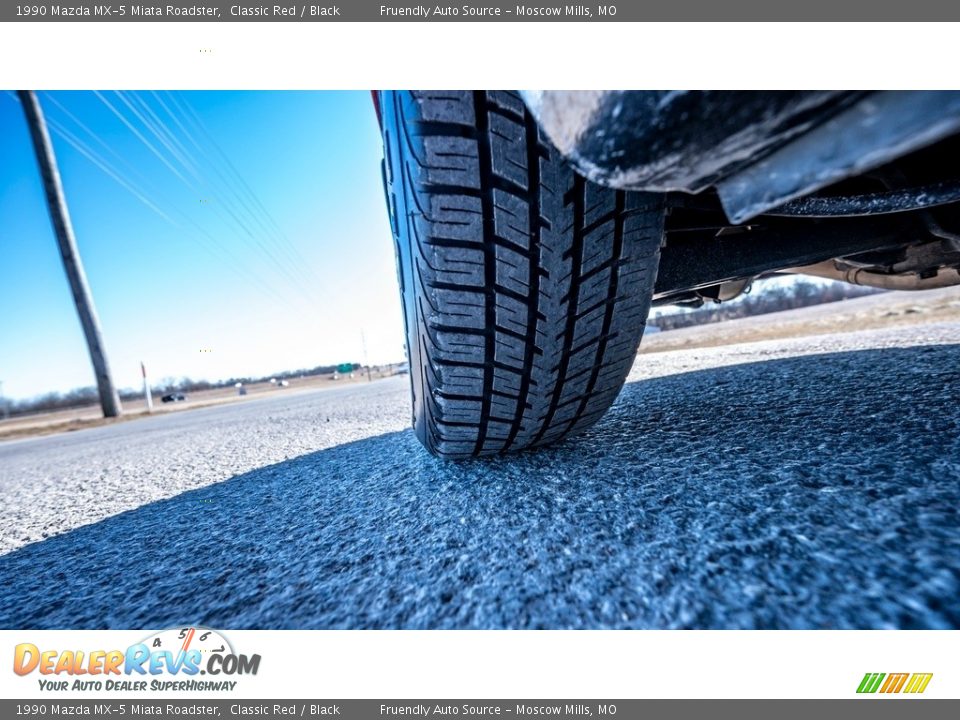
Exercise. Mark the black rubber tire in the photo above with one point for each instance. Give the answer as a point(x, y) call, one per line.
point(525, 287)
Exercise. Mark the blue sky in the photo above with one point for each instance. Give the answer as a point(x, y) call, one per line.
point(252, 225)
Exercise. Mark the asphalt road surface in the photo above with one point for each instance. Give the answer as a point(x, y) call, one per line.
point(808, 483)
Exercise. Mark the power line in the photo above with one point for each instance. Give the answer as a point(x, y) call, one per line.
point(167, 139)
point(104, 166)
point(100, 163)
point(299, 259)
point(95, 137)
point(288, 271)
point(136, 132)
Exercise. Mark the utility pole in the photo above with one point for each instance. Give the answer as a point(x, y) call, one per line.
point(363, 339)
point(148, 396)
point(57, 204)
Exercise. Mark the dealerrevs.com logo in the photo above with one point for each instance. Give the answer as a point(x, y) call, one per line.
point(887, 683)
point(182, 653)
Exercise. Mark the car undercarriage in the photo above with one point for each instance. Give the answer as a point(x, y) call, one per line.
point(860, 187)
point(534, 231)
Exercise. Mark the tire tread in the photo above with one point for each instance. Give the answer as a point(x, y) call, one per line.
point(525, 287)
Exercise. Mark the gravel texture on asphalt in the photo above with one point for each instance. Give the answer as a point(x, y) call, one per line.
point(809, 483)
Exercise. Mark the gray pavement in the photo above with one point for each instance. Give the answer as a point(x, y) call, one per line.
point(805, 483)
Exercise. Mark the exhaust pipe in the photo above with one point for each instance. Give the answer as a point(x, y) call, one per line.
point(945, 277)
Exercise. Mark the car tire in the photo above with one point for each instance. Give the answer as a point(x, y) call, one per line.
point(525, 288)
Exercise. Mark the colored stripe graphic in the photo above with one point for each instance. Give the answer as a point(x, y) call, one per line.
point(918, 682)
point(894, 682)
point(870, 682)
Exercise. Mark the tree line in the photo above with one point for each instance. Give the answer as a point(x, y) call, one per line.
point(81, 397)
point(802, 293)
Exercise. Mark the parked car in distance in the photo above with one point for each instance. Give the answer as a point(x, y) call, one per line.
point(173, 397)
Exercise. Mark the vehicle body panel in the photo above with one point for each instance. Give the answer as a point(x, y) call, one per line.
point(759, 149)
